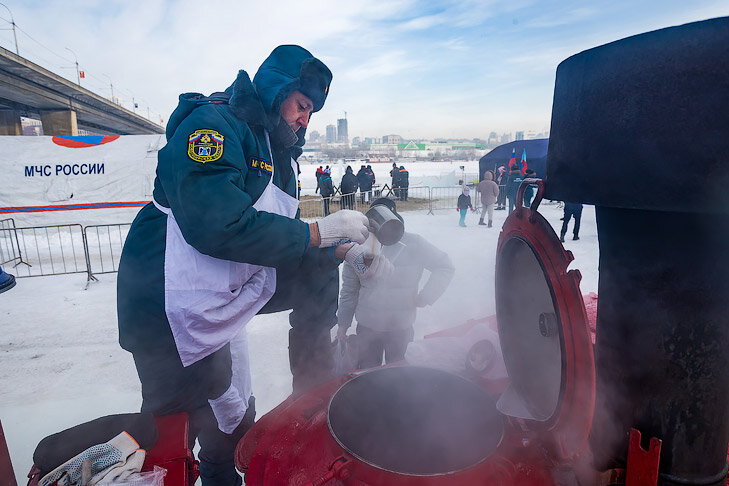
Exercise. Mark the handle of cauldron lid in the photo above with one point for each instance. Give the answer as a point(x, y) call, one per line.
point(337, 470)
point(537, 199)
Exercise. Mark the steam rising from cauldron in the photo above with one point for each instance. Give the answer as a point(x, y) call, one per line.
point(415, 420)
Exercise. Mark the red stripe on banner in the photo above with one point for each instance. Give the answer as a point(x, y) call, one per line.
point(73, 207)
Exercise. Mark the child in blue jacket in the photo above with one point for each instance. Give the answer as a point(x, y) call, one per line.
point(464, 202)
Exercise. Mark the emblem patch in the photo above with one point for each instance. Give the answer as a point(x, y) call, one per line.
point(260, 164)
point(205, 145)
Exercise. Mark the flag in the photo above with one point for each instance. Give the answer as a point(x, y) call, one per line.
point(512, 160)
point(523, 162)
point(136, 105)
point(81, 74)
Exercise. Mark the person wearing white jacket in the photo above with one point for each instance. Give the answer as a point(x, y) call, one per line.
point(386, 309)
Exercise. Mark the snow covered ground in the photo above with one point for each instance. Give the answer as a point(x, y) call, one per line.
point(60, 363)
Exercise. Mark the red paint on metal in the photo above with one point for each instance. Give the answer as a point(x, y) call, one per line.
point(643, 464)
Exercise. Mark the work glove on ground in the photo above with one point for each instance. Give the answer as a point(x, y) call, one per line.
point(366, 265)
point(342, 227)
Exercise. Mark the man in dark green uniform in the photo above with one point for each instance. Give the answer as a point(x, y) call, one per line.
point(220, 243)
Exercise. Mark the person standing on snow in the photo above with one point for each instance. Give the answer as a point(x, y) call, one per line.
point(403, 183)
point(386, 309)
point(512, 185)
point(395, 174)
point(363, 180)
point(348, 187)
point(326, 188)
point(220, 243)
point(319, 173)
point(464, 202)
point(501, 182)
point(571, 209)
point(489, 194)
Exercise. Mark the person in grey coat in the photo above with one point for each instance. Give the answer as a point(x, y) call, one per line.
point(386, 309)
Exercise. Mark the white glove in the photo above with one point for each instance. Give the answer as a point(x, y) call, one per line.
point(342, 227)
point(379, 268)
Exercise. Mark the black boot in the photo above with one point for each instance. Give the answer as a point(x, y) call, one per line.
point(490, 223)
point(575, 237)
point(480, 222)
point(561, 237)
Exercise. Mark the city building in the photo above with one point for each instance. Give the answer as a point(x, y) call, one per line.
point(391, 139)
point(342, 131)
point(331, 134)
point(519, 136)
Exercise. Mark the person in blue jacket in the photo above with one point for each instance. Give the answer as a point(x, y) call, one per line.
point(222, 242)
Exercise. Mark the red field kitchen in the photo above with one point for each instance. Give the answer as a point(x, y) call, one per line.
point(648, 403)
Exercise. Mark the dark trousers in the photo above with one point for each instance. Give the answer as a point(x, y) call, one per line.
point(371, 345)
point(403, 193)
point(501, 200)
point(568, 213)
point(326, 205)
point(168, 388)
point(347, 201)
point(512, 203)
point(311, 291)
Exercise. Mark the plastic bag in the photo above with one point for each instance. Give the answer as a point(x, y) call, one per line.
point(156, 477)
point(345, 355)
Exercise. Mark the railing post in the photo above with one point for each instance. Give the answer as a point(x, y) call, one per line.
point(89, 274)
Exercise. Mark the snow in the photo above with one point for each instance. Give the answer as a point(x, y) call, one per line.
point(60, 363)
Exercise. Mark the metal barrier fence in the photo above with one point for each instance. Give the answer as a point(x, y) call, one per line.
point(48, 250)
point(96, 249)
point(9, 243)
point(447, 198)
point(104, 243)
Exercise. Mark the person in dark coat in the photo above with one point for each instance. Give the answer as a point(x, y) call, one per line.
point(319, 173)
point(404, 182)
point(221, 243)
point(501, 182)
point(512, 185)
point(363, 180)
point(371, 179)
point(327, 190)
point(347, 188)
point(530, 189)
point(395, 174)
point(571, 209)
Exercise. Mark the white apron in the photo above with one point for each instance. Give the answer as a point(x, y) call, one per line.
point(208, 301)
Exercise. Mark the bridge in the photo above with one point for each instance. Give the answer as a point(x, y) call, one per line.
point(63, 107)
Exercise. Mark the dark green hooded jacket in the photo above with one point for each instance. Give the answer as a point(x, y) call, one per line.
point(214, 167)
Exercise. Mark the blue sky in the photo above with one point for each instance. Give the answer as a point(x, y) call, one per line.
point(416, 68)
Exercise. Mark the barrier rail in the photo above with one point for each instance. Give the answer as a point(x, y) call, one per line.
point(103, 244)
point(96, 249)
point(9, 244)
point(48, 250)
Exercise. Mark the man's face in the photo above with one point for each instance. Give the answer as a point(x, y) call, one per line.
point(296, 110)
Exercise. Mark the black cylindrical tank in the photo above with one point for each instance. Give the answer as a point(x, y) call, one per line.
point(640, 129)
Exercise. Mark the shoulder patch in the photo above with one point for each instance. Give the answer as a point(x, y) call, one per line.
point(205, 145)
point(260, 164)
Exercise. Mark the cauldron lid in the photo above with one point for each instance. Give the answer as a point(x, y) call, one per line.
point(543, 330)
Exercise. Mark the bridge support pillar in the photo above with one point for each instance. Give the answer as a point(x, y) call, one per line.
point(59, 122)
point(10, 123)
